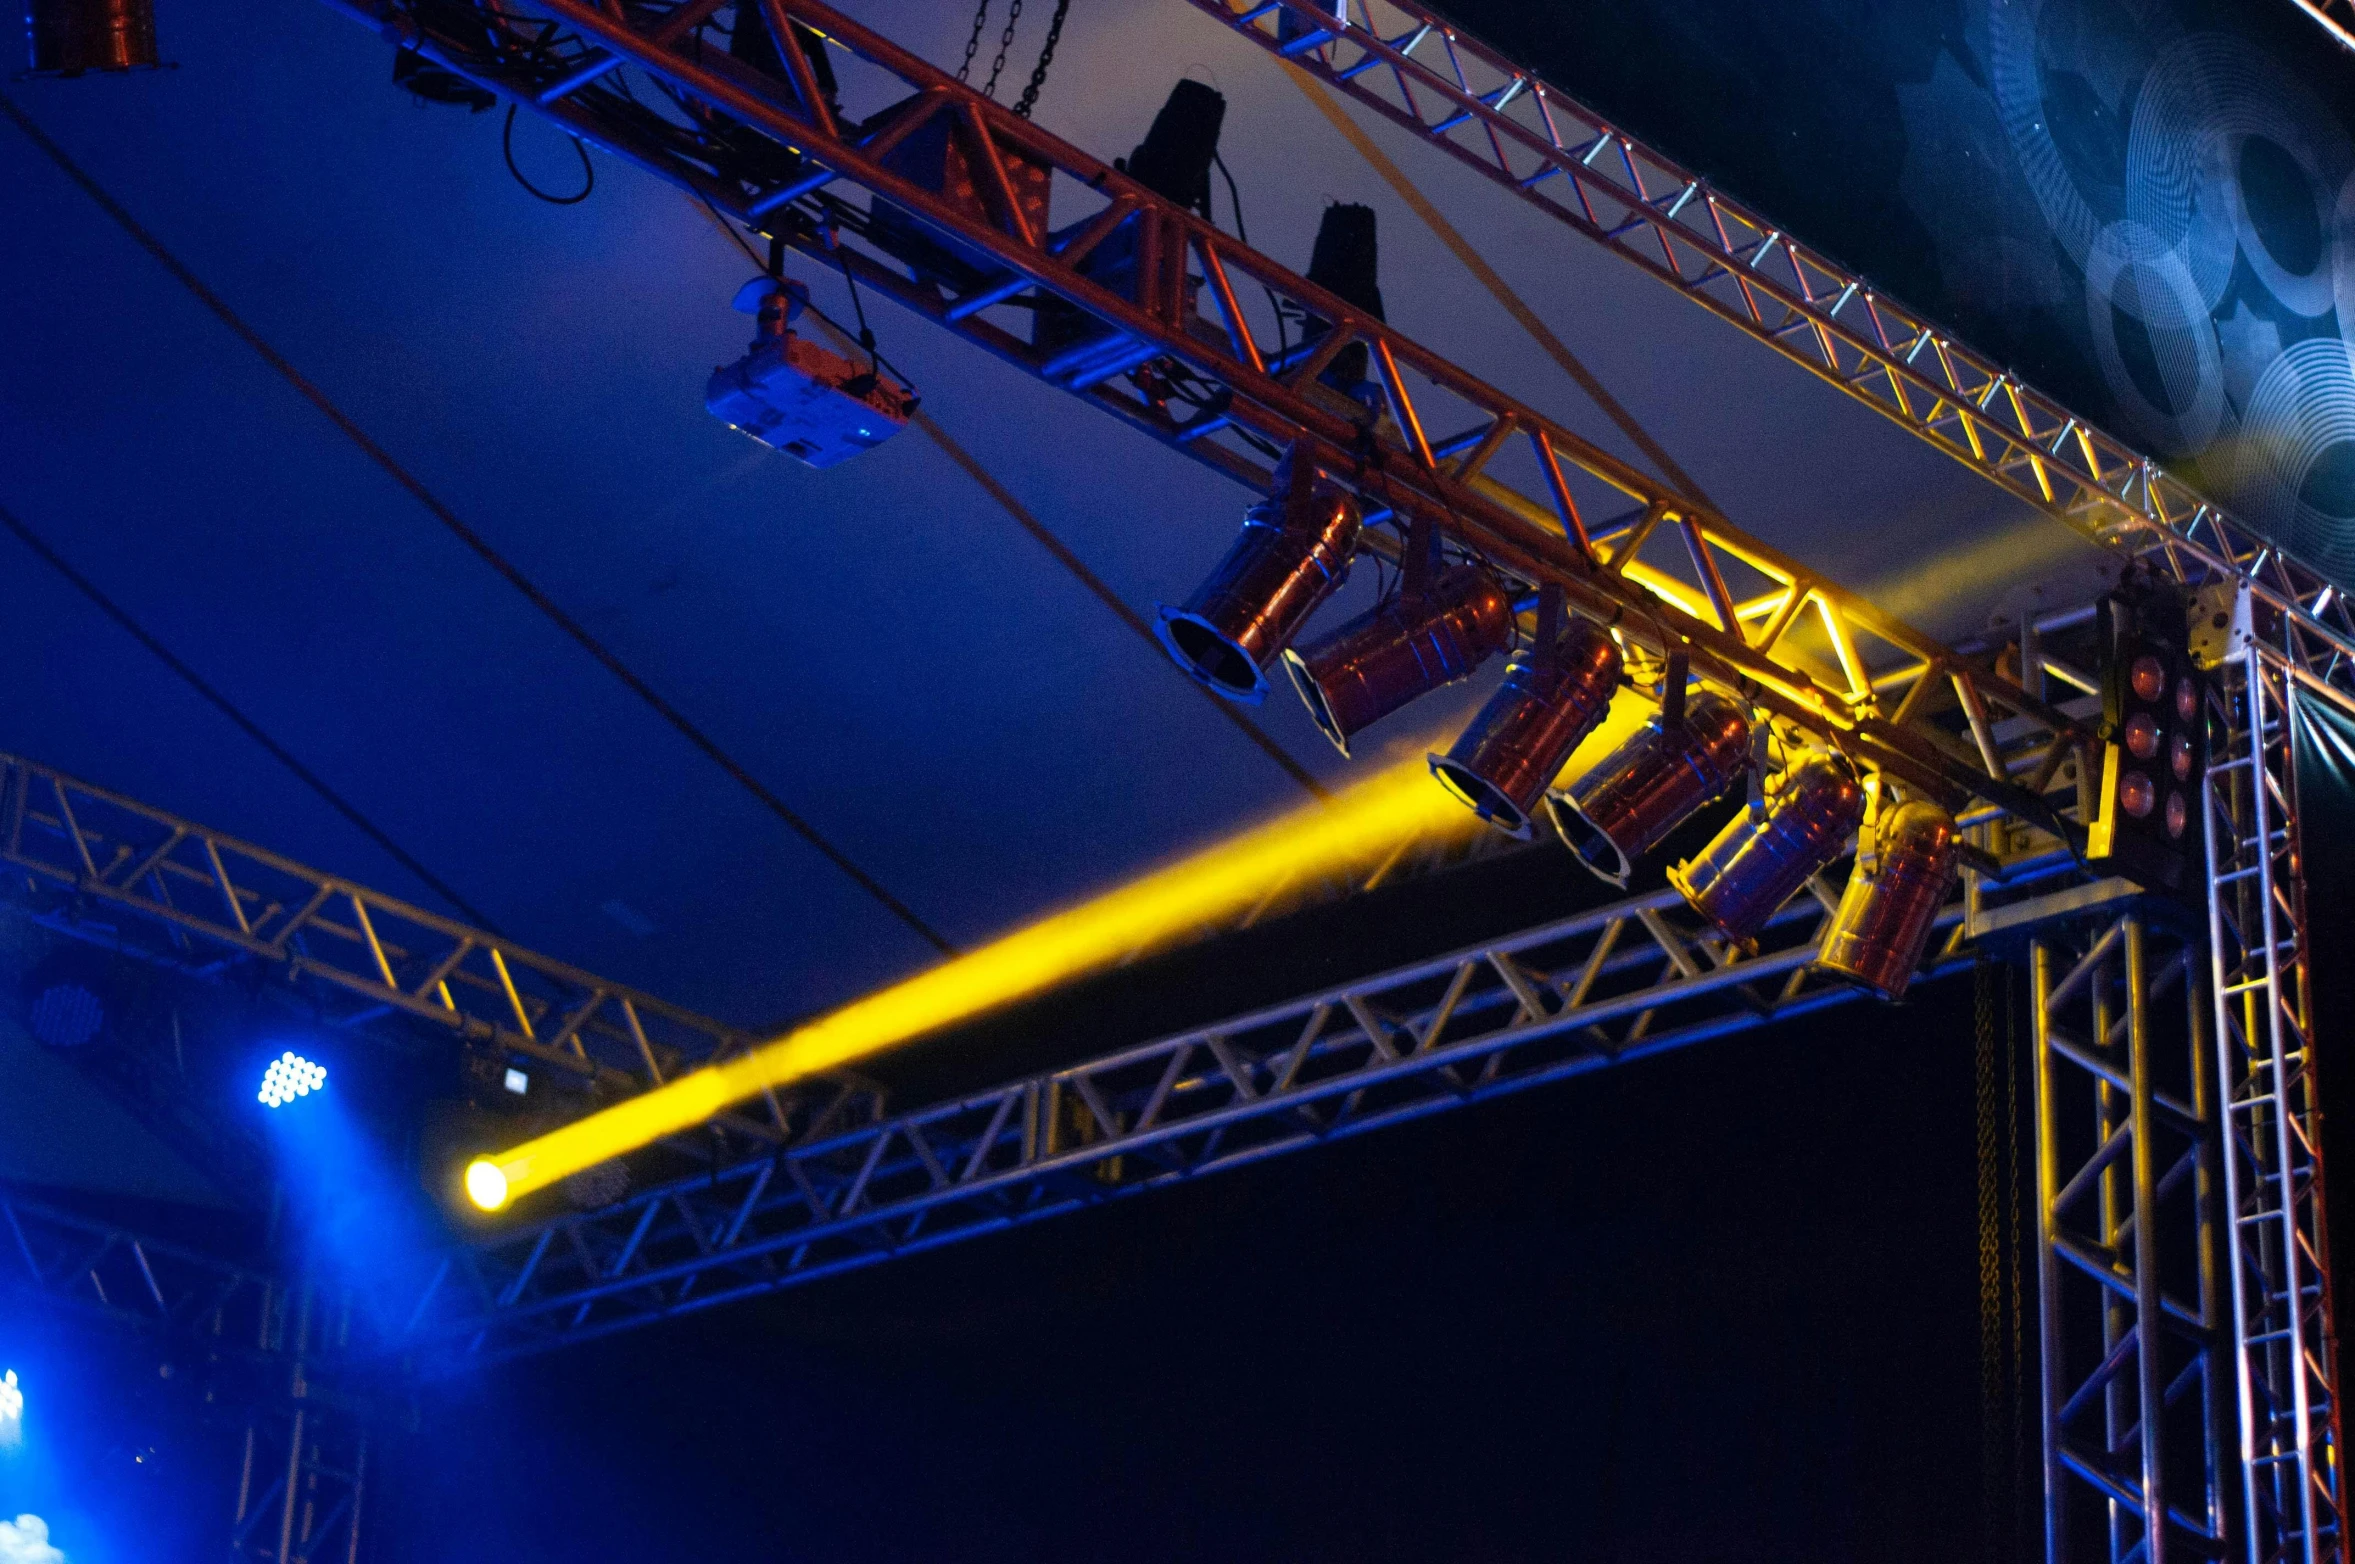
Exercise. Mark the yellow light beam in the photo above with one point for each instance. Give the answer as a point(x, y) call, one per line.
point(1362, 825)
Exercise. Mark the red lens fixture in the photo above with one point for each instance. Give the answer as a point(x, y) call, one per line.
point(1743, 877)
point(2178, 814)
point(2142, 735)
point(1883, 923)
point(1407, 647)
point(1651, 784)
point(1552, 698)
point(2147, 678)
point(2136, 795)
point(1294, 551)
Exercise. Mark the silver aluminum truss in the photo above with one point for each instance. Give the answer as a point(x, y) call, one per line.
point(304, 1475)
point(112, 1272)
point(1408, 64)
point(107, 862)
point(262, 1340)
point(2128, 1307)
point(1604, 988)
point(2283, 1348)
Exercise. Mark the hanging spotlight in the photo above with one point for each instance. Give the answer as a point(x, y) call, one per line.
point(1651, 784)
point(1552, 697)
point(290, 1076)
point(1739, 880)
point(68, 37)
point(1421, 639)
point(1876, 937)
point(1295, 549)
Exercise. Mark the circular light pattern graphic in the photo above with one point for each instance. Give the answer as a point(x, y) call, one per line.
point(290, 1076)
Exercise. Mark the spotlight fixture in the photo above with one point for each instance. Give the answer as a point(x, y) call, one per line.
point(1739, 880)
point(1346, 262)
point(515, 1082)
point(1651, 784)
point(68, 37)
point(290, 1076)
point(1876, 937)
point(1425, 637)
point(796, 396)
point(1552, 697)
point(1294, 551)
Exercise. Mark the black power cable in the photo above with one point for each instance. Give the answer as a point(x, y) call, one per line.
point(588, 169)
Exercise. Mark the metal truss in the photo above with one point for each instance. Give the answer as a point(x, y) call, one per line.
point(305, 1457)
point(110, 1271)
point(2338, 16)
point(211, 902)
point(2284, 1349)
point(1184, 351)
point(1411, 66)
point(2129, 1315)
point(1604, 988)
point(304, 1477)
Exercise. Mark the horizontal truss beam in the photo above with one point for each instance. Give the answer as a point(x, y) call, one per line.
point(217, 902)
point(1406, 63)
point(1675, 577)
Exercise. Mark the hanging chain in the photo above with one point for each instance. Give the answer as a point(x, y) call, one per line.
point(1993, 1456)
point(973, 44)
point(997, 67)
point(1046, 57)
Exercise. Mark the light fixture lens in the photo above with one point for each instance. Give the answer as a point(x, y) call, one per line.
point(2179, 757)
point(2146, 678)
point(2142, 735)
point(516, 1081)
point(486, 1186)
point(2187, 700)
point(289, 1076)
point(2136, 795)
point(2178, 814)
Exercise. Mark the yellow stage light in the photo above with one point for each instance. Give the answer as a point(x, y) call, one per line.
point(1358, 827)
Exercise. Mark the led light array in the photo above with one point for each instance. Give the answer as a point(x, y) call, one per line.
point(290, 1076)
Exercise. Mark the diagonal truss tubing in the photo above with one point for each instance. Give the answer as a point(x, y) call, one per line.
point(2276, 1253)
point(2129, 1318)
point(1408, 64)
point(224, 900)
point(1603, 988)
point(567, 67)
point(113, 1272)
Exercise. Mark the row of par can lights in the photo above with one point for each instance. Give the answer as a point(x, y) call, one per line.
point(1443, 622)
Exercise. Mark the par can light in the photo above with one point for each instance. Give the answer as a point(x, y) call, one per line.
point(1552, 697)
point(1650, 785)
point(1407, 647)
point(1294, 551)
point(68, 37)
point(1883, 922)
point(1739, 880)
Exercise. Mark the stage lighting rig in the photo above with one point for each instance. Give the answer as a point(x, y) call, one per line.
point(1346, 262)
point(803, 399)
point(1877, 934)
point(1743, 877)
point(1653, 783)
point(1553, 695)
point(69, 37)
point(1440, 625)
point(1294, 552)
point(2154, 733)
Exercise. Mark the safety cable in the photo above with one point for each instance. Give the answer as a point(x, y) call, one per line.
point(245, 724)
point(473, 540)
